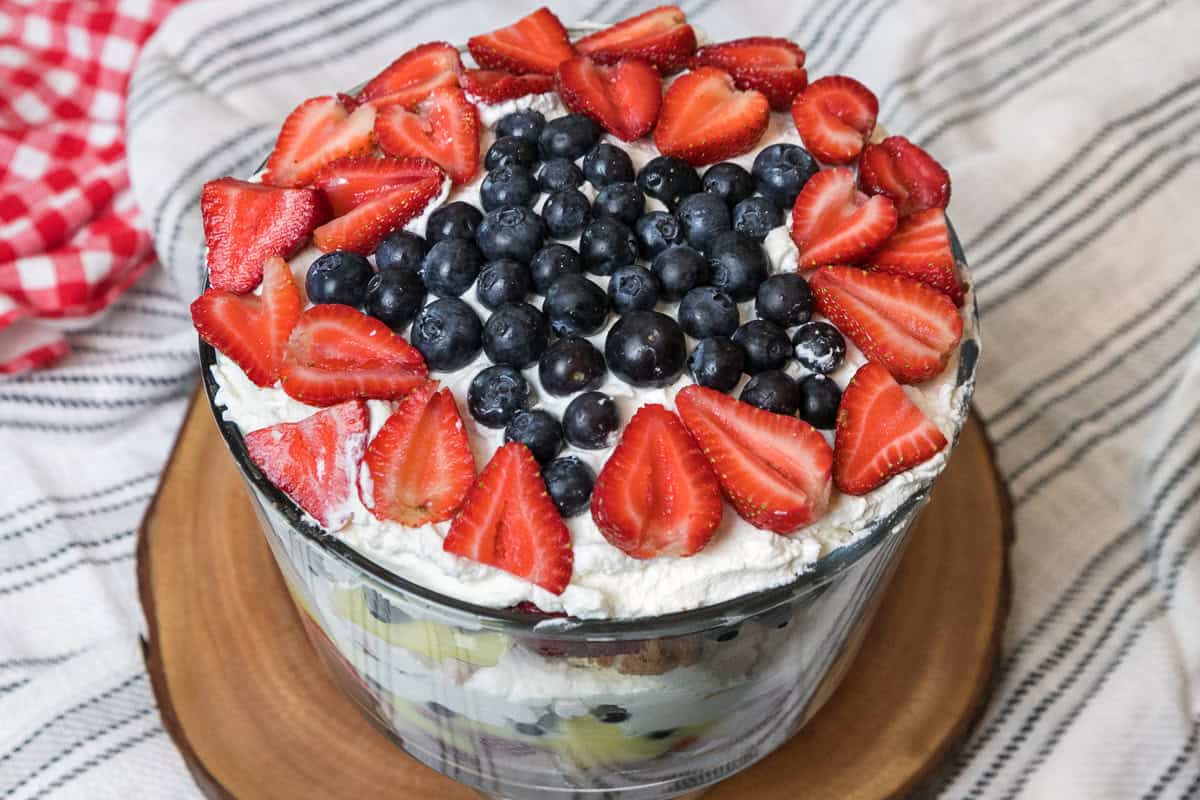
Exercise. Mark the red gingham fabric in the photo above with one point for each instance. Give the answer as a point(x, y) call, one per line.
point(70, 238)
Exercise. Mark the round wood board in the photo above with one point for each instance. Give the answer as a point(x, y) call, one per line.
point(256, 715)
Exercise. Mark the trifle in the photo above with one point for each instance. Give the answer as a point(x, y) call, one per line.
point(587, 387)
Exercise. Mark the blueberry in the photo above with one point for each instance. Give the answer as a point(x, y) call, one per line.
point(503, 281)
point(632, 289)
point(551, 263)
point(729, 182)
point(668, 180)
point(784, 299)
point(765, 344)
point(623, 201)
point(568, 137)
point(528, 729)
point(780, 172)
point(508, 185)
point(611, 714)
point(448, 334)
point(737, 265)
point(607, 244)
point(565, 213)
point(773, 390)
point(702, 216)
point(511, 150)
point(338, 277)
point(575, 306)
point(665, 733)
point(496, 394)
point(706, 311)
point(819, 346)
point(451, 266)
point(515, 334)
point(717, 363)
point(394, 297)
point(457, 220)
point(380, 608)
point(819, 400)
point(524, 124)
point(571, 364)
point(441, 710)
point(679, 269)
point(756, 217)
point(401, 250)
point(606, 163)
point(569, 482)
point(646, 348)
point(656, 231)
point(559, 174)
point(591, 421)
point(513, 232)
point(538, 431)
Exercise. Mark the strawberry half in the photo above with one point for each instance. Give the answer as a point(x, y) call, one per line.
point(410, 78)
point(705, 118)
point(772, 66)
point(443, 129)
point(509, 521)
point(661, 36)
point(317, 132)
point(880, 432)
point(536, 43)
point(252, 330)
point(835, 116)
point(351, 181)
point(774, 468)
point(624, 98)
point(833, 222)
point(492, 86)
point(920, 248)
point(364, 226)
point(337, 353)
point(656, 495)
point(903, 324)
point(314, 461)
point(899, 169)
point(419, 465)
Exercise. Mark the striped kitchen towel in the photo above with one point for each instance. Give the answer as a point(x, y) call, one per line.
point(1072, 131)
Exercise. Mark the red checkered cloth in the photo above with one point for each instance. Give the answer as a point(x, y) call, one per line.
point(70, 236)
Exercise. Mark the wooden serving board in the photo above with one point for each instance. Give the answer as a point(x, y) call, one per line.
point(256, 715)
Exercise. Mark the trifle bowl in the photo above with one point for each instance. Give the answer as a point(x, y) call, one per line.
point(647, 676)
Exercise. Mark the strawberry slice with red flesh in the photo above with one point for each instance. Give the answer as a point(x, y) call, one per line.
point(536, 43)
point(419, 465)
point(317, 132)
point(252, 330)
point(337, 353)
point(314, 461)
point(911, 177)
point(880, 432)
point(775, 469)
point(772, 66)
point(443, 129)
point(247, 223)
point(661, 37)
point(351, 181)
point(835, 116)
point(920, 248)
point(410, 78)
point(903, 324)
point(509, 521)
point(705, 118)
point(493, 86)
point(834, 223)
point(624, 98)
point(657, 495)
point(365, 225)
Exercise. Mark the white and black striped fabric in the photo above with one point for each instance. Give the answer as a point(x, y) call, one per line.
point(1072, 131)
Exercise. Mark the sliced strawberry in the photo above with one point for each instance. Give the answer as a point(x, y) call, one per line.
point(337, 353)
point(899, 169)
point(492, 86)
point(314, 461)
point(880, 432)
point(509, 521)
point(536, 43)
point(834, 223)
point(835, 116)
point(410, 78)
point(661, 36)
point(317, 132)
point(705, 118)
point(624, 98)
point(920, 248)
point(656, 495)
point(252, 329)
point(775, 469)
point(419, 465)
point(903, 324)
point(363, 227)
point(443, 129)
point(773, 66)
point(351, 181)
